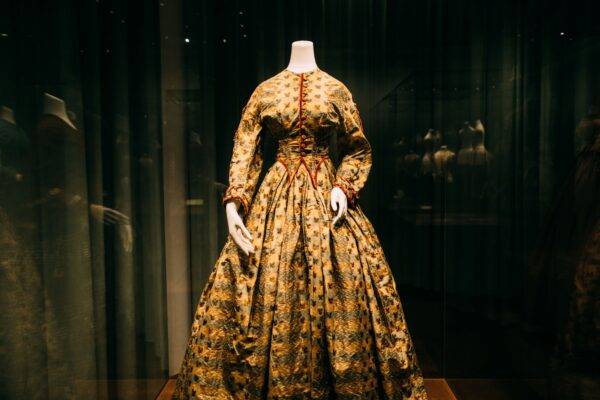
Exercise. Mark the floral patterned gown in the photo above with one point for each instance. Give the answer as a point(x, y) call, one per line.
point(313, 313)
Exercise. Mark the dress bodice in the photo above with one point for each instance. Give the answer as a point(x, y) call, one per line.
point(301, 111)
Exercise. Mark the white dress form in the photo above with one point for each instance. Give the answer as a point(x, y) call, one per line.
point(7, 115)
point(52, 105)
point(302, 58)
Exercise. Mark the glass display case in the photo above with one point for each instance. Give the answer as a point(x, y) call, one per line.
point(117, 123)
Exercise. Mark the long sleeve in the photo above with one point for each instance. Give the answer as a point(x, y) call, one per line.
point(354, 168)
point(247, 158)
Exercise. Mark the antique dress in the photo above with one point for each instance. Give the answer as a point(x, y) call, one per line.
point(313, 312)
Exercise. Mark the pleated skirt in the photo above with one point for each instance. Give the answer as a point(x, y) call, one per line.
point(313, 313)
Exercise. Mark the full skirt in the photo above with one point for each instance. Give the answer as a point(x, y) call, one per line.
point(313, 314)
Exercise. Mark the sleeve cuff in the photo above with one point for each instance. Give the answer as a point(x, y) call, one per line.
point(350, 193)
point(232, 193)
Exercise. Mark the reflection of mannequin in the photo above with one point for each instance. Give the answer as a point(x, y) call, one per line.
point(15, 179)
point(480, 169)
point(411, 163)
point(7, 115)
point(437, 139)
point(427, 165)
point(465, 154)
point(13, 146)
point(21, 293)
point(464, 168)
point(444, 192)
point(23, 329)
point(15, 171)
point(480, 154)
point(444, 160)
point(427, 169)
point(56, 107)
point(65, 247)
point(52, 105)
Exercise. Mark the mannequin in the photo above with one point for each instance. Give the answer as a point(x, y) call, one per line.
point(437, 139)
point(21, 289)
point(302, 59)
point(480, 168)
point(481, 156)
point(465, 154)
point(13, 146)
point(7, 115)
point(444, 160)
point(427, 165)
point(53, 105)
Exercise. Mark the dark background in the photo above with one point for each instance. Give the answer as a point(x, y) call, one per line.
point(527, 69)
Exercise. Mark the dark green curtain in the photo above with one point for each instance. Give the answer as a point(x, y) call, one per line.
point(523, 69)
point(83, 257)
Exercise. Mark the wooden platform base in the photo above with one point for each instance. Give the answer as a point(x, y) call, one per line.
point(437, 389)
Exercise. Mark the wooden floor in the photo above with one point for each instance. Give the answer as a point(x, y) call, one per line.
point(437, 389)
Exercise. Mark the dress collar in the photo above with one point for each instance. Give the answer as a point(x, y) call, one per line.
point(307, 73)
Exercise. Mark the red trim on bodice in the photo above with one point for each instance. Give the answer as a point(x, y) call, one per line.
point(301, 130)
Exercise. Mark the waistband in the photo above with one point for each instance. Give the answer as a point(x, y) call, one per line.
point(287, 152)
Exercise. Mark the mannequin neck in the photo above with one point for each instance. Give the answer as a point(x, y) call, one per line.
point(7, 115)
point(302, 58)
point(53, 105)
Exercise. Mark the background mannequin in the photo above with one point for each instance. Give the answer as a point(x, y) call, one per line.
point(465, 154)
point(7, 115)
point(444, 160)
point(480, 154)
point(55, 106)
point(21, 290)
point(13, 145)
point(52, 105)
point(302, 59)
point(427, 165)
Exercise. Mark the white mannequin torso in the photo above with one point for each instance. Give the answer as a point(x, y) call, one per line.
point(302, 58)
